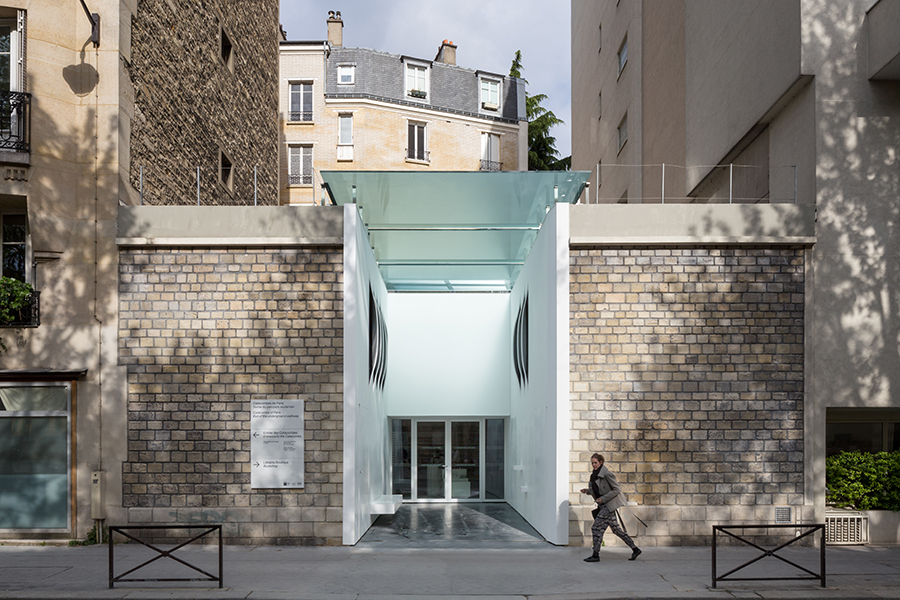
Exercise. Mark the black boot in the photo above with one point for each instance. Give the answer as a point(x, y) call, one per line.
point(592, 558)
point(635, 553)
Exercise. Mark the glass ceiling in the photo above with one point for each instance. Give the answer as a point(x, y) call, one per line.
point(452, 231)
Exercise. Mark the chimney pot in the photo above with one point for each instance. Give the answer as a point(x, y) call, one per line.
point(446, 53)
point(335, 29)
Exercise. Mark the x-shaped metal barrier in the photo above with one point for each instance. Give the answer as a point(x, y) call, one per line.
point(802, 532)
point(207, 529)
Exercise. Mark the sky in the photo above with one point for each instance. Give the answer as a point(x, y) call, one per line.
point(487, 34)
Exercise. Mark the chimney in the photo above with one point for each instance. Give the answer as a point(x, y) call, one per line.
point(335, 29)
point(446, 53)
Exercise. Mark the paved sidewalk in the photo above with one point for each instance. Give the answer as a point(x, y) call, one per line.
point(373, 573)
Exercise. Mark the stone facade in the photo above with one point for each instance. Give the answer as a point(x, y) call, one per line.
point(228, 106)
point(202, 331)
point(687, 373)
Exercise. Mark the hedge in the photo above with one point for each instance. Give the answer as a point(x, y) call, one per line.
point(863, 480)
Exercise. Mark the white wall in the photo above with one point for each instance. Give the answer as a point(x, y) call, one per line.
point(538, 447)
point(448, 355)
point(365, 422)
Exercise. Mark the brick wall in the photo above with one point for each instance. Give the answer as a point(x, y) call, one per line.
point(202, 332)
point(687, 375)
point(189, 104)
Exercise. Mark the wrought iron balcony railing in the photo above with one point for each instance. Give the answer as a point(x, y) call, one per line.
point(294, 179)
point(423, 155)
point(300, 116)
point(490, 165)
point(15, 121)
point(29, 316)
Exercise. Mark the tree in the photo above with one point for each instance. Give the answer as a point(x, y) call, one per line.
point(542, 152)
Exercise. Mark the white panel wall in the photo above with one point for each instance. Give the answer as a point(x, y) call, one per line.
point(538, 447)
point(449, 355)
point(365, 421)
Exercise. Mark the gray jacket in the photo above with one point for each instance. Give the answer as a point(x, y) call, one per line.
point(609, 491)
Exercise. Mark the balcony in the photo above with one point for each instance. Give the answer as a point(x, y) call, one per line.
point(29, 316)
point(300, 116)
point(491, 165)
point(418, 155)
point(299, 179)
point(15, 122)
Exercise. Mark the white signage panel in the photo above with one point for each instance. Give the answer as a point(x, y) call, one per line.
point(276, 443)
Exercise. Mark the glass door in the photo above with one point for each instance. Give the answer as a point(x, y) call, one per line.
point(431, 460)
point(465, 460)
point(449, 460)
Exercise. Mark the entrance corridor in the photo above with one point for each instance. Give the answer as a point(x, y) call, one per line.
point(466, 525)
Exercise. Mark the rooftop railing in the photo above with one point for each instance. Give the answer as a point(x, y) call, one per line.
point(666, 183)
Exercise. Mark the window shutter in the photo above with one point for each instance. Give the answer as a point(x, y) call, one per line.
point(21, 82)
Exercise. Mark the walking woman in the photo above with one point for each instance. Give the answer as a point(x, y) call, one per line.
point(605, 490)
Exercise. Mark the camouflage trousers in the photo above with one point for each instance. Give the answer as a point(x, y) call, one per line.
point(607, 518)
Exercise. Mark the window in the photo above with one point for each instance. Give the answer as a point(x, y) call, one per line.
point(490, 94)
point(13, 241)
point(623, 131)
point(345, 129)
point(345, 137)
point(300, 165)
point(862, 429)
point(301, 99)
point(490, 152)
point(622, 56)
point(226, 49)
point(416, 145)
point(346, 74)
point(417, 81)
point(35, 455)
point(13, 101)
point(226, 171)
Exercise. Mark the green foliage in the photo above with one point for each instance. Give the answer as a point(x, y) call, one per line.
point(14, 296)
point(92, 537)
point(542, 152)
point(863, 480)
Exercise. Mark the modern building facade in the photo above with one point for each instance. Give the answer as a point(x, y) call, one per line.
point(360, 109)
point(784, 104)
point(121, 104)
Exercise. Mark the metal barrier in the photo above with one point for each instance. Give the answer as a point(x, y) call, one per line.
point(808, 530)
point(163, 553)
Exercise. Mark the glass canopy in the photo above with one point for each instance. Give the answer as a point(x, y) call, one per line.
point(452, 231)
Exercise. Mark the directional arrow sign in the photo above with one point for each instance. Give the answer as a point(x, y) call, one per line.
point(276, 443)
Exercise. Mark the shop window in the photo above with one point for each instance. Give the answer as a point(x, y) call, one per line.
point(862, 429)
point(35, 456)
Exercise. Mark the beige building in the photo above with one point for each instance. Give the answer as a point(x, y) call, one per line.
point(359, 109)
point(771, 103)
point(95, 117)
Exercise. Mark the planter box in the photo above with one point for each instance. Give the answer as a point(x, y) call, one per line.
point(30, 316)
point(884, 526)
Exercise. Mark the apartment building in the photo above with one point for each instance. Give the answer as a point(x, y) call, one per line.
point(107, 103)
point(360, 109)
point(790, 105)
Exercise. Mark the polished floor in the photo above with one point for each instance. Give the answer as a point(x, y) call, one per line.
point(465, 525)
